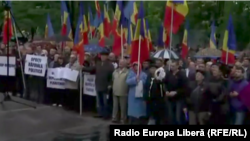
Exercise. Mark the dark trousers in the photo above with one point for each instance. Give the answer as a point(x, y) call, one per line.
point(103, 108)
point(71, 100)
point(56, 96)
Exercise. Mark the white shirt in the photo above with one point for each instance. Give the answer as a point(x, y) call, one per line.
point(187, 72)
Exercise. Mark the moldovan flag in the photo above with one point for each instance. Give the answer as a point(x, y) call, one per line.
point(180, 10)
point(7, 27)
point(119, 20)
point(66, 25)
point(229, 44)
point(149, 40)
point(160, 43)
point(49, 31)
point(84, 25)
point(78, 41)
point(184, 49)
point(129, 37)
point(106, 22)
point(166, 37)
point(212, 41)
point(101, 30)
point(91, 22)
point(131, 12)
point(139, 44)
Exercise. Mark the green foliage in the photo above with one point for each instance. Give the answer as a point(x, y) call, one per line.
point(201, 14)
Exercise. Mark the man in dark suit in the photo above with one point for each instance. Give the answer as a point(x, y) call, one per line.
point(190, 71)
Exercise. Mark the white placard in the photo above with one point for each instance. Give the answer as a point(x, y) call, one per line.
point(70, 74)
point(89, 85)
point(4, 68)
point(53, 82)
point(35, 65)
point(56, 73)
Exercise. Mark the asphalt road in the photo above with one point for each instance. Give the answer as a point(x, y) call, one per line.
point(45, 123)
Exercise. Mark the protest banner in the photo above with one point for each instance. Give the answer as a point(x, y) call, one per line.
point(35, 65)
point(89, 85)
point(4, 67)
point(53, 82)
point(70, 74)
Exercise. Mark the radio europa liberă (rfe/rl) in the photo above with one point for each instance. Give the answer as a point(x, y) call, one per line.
point(147, 132)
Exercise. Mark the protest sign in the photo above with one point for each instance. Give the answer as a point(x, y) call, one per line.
point(4, 67)
point(89, 85)
point(70, 74)
point(35, 65)
point(54, 82)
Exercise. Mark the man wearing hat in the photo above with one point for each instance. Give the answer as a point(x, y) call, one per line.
point(103, 80)
point(198, 101)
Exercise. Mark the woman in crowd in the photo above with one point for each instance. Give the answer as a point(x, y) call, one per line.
point(58, 95)
point(136, 104)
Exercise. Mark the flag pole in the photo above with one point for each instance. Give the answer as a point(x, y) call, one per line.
point(81, 87)
point(122, 50)
point(139, 56)
point(227, 57)
point(19, 53)
point(171, 33)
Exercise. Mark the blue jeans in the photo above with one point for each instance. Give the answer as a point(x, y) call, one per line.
point(102, 103)
point(238, 118)
point(174, 112)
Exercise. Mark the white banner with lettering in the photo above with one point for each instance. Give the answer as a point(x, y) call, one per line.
point(52, 81)
point(89, 85)
point(35, 65)
point(3, 66)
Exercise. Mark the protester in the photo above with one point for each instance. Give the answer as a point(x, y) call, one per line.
point(237, 108)
point(120, 93)
point(246, 65)
point(175, 93)
point(136, 104)
point(145, 66)
point(217, 91)
point(198, 102)
point(154, 94)
point(58, 96)
point(103, 71)
point(72, 91)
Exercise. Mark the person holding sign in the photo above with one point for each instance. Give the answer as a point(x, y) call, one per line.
point(72, 93)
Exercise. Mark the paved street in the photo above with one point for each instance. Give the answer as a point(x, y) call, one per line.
point(45, 123)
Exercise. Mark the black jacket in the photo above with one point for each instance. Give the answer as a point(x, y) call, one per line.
point(176, 83)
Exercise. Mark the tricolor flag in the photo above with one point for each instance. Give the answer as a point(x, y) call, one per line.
point(229, 44)
point(180, 10)
point(49, 31)
point(139, 44)
point(84, 24)
point(160, 43)
point(91, 26)
point(184, 49)
point(66, 25)
point(78, 41)
point(7, 27)
point(212, 41)
point(107, 24)
point(131, 12)
point(149, 40)
point(97, 7)
point(101, 31)
point(166, 38)
point(118, 22)
point(129, 37)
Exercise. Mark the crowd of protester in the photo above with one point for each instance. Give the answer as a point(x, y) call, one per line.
point(191, 91)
